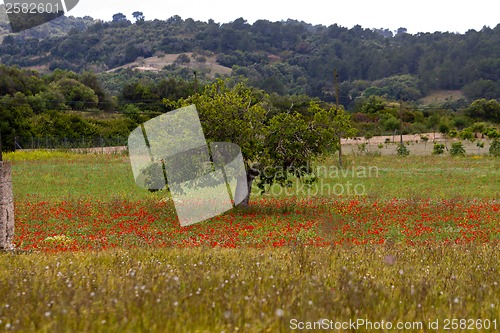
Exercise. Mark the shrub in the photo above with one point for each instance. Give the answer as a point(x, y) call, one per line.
point(362, 148)
point(457, 149)
point(495, 147)
point(182, 59)
point(438, 149)
point(402, 150)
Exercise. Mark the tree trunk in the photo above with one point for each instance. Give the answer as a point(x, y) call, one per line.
point(340, 152)
point(6, 208)
point(251, 175)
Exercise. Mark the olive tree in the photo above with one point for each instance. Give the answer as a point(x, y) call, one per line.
point(275, 148)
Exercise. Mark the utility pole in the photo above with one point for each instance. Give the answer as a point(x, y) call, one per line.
point(337, 97)
point(401, 120)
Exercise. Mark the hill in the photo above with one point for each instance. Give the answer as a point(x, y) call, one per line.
point(287, 57)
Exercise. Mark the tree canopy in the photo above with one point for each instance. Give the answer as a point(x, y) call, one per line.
point(276, 147)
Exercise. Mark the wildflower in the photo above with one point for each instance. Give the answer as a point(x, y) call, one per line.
point(389, 259)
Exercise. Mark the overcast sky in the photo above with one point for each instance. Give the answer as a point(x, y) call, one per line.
point(416, 16)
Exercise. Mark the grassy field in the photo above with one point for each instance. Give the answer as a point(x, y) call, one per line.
point(384, 242)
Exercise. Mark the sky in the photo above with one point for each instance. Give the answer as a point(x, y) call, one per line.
point(416, 16)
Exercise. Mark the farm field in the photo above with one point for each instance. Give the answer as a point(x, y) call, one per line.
point(386, 145)
point(410, 240)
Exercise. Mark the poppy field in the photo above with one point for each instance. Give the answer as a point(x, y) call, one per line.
point(406, 240)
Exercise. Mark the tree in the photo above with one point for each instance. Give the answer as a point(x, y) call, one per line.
point(138, 16)
point(481, 89)
point(77, 95)
point(182, 59)
point(438, 149)
point(485, 110)
point(433, 122)
point(90, 80)
point(232, 115)
point(392, 125)
point(276, 148)
point(335, 124)
point(119, 17)
point(495, 147)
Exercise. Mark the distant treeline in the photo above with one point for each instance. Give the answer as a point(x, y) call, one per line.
point(74, 107)
point(288, 57)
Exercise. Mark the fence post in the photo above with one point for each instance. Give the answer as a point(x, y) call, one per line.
point(6, 207)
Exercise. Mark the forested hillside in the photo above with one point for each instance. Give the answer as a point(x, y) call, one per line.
point(55, 28)
point(288, 57)
point(82, 79)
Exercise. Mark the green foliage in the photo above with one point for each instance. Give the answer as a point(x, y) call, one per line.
point(483, 109)
point(453, 133)
point(232, 115)
point(495, 147)
point(286, 57)
point(491, 132)
point(392, 124)
point(433, 121)
point(467, 134)
point(148, 92)
point(34, 105)
point(402, 150)
point(438, 149)
point(373, 104)
point(138, 16)
point(281, 145)
point(457, 149)
point(405, 87)
point(482, 89)
point(76, 95)
point(444, 127)
point(460, 122)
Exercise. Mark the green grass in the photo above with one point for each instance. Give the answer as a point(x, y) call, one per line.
point(108, 177)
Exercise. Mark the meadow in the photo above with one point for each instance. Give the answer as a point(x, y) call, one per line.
point(386, 241)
